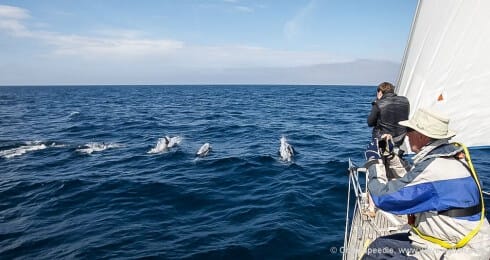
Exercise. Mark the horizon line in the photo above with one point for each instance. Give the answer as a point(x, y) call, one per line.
point(177, 85)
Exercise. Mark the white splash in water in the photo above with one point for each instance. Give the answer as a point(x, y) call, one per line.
point(30, 146)
point(176, 140)
point(286, 150)
point(164, 143)
point(74, 113)
point(97, 147)
point(53, 144)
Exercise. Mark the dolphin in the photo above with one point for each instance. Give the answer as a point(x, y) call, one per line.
point(286, 150)
point(165, 143)
point(204, 150)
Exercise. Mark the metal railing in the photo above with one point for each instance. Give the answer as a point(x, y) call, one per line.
point(360, 197)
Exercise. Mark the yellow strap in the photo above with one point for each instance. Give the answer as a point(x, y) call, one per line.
point(365, 247)
point(473, 232)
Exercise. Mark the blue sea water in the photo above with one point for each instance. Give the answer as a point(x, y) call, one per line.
point(81, 175)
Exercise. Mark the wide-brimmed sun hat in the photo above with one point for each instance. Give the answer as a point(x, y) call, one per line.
point(429, 123)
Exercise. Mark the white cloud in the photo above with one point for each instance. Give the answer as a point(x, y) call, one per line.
point(119, 33)
point(13, 12)
point(11, 19)
point(12, 26)
point(240, 8)
point(245, 9)
point(292, 27)
point(116, 45)
point(121, 43)
point(91, 47)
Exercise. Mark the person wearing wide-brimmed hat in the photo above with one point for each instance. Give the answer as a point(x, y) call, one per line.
point(441, 191)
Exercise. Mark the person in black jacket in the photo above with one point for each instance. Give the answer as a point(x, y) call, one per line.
point(387, 110)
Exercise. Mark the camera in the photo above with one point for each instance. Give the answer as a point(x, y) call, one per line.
point(385, 147)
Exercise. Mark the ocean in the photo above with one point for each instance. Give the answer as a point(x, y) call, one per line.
point(83, 174)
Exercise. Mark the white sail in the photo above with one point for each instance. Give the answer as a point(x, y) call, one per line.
point(447, 65)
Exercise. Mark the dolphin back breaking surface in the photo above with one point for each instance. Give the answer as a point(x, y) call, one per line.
point(204, 150)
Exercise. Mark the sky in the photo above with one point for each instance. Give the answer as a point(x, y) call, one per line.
point(64, 42)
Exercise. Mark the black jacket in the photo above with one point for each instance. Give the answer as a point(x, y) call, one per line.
point(385, 115)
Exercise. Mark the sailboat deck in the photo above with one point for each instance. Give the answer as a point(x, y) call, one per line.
point(365, 230)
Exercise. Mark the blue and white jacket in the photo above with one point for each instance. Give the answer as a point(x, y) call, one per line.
point(437, 181)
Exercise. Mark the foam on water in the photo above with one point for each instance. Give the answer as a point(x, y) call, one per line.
point(176, 140)
point(97, 147)
point(28, 147)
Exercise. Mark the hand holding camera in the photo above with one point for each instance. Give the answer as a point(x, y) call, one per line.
point(380, 148)
point(386, 145)
point(372, 151)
